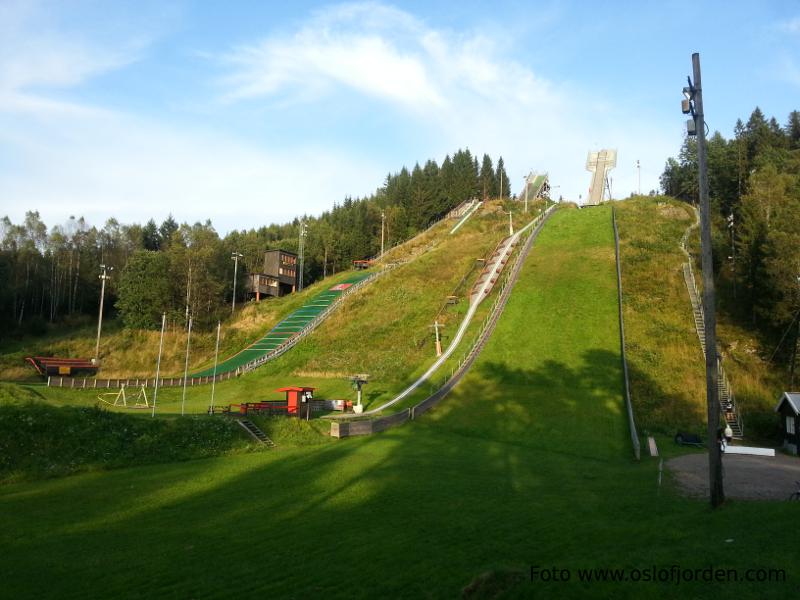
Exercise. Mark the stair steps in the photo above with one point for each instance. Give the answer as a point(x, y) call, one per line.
point(724, 390)
point(255, 432)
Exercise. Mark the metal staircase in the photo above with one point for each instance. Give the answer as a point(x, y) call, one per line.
point(725, 391)
point(255, 432)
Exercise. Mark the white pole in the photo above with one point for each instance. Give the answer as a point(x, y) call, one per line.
point(103, 278)
point(188, 292)
point(235, 256)
point(639, 171)
point(186, 367)
point(158, 364)
point(214, 379)
point(383, 220)
point(527, 183)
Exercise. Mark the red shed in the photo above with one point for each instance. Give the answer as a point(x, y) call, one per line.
point(297, 400)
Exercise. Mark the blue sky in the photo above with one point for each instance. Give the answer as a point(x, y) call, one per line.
point(252, 112)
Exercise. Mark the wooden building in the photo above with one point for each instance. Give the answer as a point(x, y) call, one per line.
point(789, 409)
point(278, 276)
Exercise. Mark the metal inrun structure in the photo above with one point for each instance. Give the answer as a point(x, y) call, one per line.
point(600, 163)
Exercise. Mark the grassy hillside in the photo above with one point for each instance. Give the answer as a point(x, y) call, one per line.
point(383, 331)
point(127, 352)
point(664, 355)
point(527, 464)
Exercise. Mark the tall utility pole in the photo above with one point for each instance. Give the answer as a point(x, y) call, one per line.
point(693, 103)
point(186, 368)
point(730, 221)
point(383, 222)
point(103, 278)
point(639, 172)
point(214, 378)
point(158, 363)
point(188, 292)
point(235, 256)
point(301, 252)
point(527, 183)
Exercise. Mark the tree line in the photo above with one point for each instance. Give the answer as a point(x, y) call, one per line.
point(754, 187)
point(49, 275)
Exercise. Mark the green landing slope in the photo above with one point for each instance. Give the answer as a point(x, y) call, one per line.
point(286, 329)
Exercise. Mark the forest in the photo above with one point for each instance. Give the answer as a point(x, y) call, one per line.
point(754, 186)
point(53, 275)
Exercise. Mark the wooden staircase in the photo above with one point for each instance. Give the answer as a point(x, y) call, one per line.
point(500, 255)
point(255, 432)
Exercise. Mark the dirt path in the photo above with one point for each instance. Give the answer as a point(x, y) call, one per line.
point(746, 477)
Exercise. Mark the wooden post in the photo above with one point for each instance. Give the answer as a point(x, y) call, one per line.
point(709, 298)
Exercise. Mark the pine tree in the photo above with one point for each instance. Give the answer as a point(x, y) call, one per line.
point(487, 178)
point(501, 180)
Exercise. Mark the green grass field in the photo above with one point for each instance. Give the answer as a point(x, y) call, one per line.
point(526, 464)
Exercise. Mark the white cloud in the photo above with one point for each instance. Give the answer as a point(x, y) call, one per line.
point(340, 46)
point(457, 89)
point(99, 165)
point(36, 55)
point(451, 89)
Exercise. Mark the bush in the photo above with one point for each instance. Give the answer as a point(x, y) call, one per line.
point(39, 441)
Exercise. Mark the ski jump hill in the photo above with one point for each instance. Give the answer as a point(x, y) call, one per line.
point(294, 325)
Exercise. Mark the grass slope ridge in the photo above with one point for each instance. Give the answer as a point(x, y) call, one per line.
point(525, 464)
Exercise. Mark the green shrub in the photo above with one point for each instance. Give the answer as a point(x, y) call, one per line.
point(38, 440)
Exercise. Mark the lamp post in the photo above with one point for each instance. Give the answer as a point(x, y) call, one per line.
point(103, 278)
point(301, 252)
point(639, 173)
point(383, 223)
point(510, 224)
point(692, 103)
point(235, 256)
point(730, 222)
point(527, 184)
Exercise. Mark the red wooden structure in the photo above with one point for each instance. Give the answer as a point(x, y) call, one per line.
point(297, 399)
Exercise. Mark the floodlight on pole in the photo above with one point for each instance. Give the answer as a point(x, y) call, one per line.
point(103, 277)
point(235, 256)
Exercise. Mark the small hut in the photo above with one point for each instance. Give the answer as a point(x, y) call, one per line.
point(789, 409)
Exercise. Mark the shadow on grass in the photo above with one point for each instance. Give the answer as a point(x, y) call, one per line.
point(487, 481)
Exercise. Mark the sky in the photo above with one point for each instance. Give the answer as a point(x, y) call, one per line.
point(248, 113)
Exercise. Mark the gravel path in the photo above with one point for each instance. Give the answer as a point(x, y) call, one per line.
point(746, 477)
